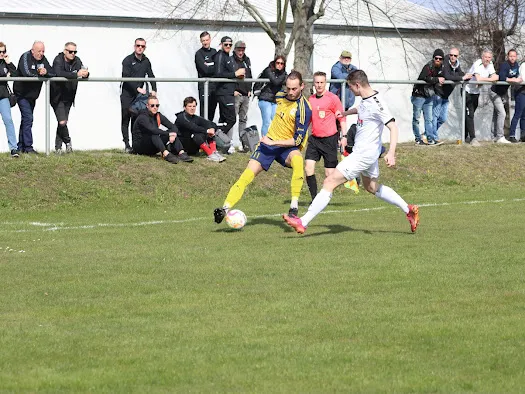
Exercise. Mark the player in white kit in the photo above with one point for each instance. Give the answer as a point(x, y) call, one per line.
point(373, 116)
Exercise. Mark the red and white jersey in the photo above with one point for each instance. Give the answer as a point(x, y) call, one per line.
point(325, 110)
point(372, 116)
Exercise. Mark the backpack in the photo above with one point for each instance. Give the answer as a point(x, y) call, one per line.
point(222, 140)
point(249, 138)
point(258, 86)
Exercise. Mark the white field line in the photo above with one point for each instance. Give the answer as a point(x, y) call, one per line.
point(61, 227)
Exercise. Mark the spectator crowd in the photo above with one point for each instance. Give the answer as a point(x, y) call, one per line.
point(153, 133)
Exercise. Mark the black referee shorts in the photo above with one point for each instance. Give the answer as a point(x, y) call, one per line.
point(325, 147)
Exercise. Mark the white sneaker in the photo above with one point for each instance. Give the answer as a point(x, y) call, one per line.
point(231, 150)
point(503, 140)
point(214, 157)
point(474, 142)
point(221, 157)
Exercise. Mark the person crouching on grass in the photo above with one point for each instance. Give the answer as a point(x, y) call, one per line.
point(149, 139)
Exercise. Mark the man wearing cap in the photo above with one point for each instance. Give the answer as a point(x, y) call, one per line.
point(243, 90)
point(422, 98)
point(224, 68)
point(340, 70)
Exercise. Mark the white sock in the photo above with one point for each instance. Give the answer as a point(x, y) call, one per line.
point(318, 204)
point(390, 196)
point(295, 202)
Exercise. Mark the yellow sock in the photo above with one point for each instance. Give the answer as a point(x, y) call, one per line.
point(297, 176)
point(237, 190)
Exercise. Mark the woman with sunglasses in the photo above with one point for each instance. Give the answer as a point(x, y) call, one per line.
point(7, 69)
point(276, 73)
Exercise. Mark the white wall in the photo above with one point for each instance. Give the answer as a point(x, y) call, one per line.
point(95, 121)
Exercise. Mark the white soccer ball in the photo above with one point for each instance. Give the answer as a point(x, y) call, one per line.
point(236, 219)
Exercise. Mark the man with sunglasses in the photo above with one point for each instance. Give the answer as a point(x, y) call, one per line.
point(66, 64)
point(452, 72)
point(136, 65)
point(149, 139)
point(224, 91)
point(422, 97)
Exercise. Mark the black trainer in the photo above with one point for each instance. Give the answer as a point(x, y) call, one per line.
point(15, 154)
point(293, 212)
point(185, 157)
point(219, 214)
point(513, 140)
point(171, 158)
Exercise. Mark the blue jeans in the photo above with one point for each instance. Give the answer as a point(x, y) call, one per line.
point(25, 136)
point(5, 111)
point(519, 114)
point(422, 104)
point(439, 113)
point(267, 113)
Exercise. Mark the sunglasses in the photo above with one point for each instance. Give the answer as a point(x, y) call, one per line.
point(3, 51)
point(226, 44)
point(154, 105)
point(279, 62)
point(140, 46)
point(438, 58)
point(71, 52)
point(453, 55)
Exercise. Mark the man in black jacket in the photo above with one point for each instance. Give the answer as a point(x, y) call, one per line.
point(452, 72)
point(432, 74)
point(243, 90)
point(197, 132)
point(32, 63)
point(136, 65)
point(149, 139)
point(206, 69)
point(66, 64)
point(224, 68)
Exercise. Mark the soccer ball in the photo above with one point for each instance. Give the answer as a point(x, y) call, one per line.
point(236, 219)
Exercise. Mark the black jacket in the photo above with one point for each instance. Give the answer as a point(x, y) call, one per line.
point(65, 91)
point(430, 75)
point(205, 65)
point(277, 79)
point(451, 74)
point(27, 67)
point(224, 69)
point(193, 124)
point(241, 86)
point(135, 68)
point(4, 70)
point(147, 125)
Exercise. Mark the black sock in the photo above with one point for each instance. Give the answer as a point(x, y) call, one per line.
point(312, 185)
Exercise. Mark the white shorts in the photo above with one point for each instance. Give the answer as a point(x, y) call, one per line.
point(355, 164)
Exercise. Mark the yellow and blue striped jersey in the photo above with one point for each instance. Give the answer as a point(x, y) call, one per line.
point(291, 120)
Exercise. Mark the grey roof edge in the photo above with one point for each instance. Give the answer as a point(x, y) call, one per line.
point(203, 22)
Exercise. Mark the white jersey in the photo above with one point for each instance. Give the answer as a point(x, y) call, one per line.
point(372, 116)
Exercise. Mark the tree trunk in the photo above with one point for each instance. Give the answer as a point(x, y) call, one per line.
point(304, 42)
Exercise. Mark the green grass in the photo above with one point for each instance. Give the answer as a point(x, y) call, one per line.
point(358, 304)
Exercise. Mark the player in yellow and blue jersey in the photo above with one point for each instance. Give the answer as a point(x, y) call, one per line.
point(284, 142)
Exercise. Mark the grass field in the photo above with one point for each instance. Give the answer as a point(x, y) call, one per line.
point(115, 279)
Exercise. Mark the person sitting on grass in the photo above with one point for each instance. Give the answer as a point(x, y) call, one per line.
point(197, 132)
point(149, 139)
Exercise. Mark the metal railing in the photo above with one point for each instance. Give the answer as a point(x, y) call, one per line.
point(47, 91)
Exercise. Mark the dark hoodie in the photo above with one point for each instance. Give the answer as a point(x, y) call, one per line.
point(27, 67)
point(277, 79)
point(65, 91)
point(147, 125)
point(241, 86)
point(430, 75)
point(193, 124)
point(451, 73)
point(4, 70)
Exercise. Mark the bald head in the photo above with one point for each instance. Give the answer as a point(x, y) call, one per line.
point(38, 50)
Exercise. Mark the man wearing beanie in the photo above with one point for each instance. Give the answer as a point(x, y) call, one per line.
point(224, 91)
point(422, 97)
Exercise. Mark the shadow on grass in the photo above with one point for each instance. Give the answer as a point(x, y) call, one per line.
point(277, 222)
point(332, 229)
